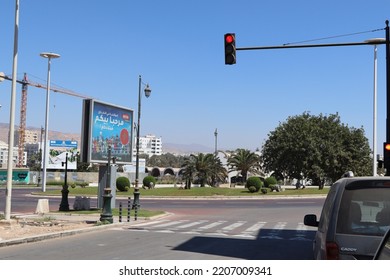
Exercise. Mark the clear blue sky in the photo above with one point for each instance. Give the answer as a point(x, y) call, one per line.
point(177, 47)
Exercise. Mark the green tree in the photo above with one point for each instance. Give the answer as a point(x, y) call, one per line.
point(218, 172)
point(165, 160)
point(202, 166)
point(189, 171)
point(34, 161)
point(319, 148)
point(244, 161)
point(205, 168)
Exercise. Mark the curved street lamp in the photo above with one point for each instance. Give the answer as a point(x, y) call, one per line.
point(147, 91)
point(49, 57)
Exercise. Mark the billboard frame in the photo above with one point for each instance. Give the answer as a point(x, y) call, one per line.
point(104, 125)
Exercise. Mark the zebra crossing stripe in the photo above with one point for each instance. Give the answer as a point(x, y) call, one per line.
point(192, 224)
point(301, 233)
point(153, 222)
point(170, 224)
point(233, 226)
point(227, 228)
point(254, 228)
point(212, 225)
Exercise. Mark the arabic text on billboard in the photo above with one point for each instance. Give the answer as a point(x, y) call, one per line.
point(111, 126)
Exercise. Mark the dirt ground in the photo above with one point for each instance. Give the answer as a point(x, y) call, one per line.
point(21, 228)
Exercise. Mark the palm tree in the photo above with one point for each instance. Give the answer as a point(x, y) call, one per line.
point(218, 172)
point(189, 171)
point(244, 161)
point(207, 168)
point(202, 166)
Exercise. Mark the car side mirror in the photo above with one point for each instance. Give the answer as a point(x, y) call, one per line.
point(383, 252)
point(311, 220)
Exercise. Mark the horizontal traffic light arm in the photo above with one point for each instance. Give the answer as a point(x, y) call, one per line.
point(309, 46)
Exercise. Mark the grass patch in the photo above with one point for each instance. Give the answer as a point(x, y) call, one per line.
point(193, 192)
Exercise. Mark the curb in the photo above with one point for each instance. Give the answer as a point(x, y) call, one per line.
point(36, 238)
point(60, 234)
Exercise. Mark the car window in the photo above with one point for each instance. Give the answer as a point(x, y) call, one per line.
point(325, 215)
point(364, 211)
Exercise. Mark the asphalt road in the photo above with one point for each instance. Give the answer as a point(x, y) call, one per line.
point(196, 229)
point(126, 244)
point(23, 202)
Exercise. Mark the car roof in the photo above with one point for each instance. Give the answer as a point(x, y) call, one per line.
point(364, 178)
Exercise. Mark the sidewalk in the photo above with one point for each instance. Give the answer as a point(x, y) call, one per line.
point(54, 225)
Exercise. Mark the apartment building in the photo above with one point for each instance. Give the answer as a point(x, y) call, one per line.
point(4, 155)
point(149, 144)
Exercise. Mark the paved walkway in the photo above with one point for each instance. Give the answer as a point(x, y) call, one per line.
point(80, 223)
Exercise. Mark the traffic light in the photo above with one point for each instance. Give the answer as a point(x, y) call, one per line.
point(386, 156)
point(230, 48)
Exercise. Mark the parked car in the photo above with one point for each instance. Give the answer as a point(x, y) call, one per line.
point(354, 218)
point(383, 252)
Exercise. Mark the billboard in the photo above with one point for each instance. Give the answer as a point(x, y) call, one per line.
point(58, 150)
point(19, 176)
point(105, 125)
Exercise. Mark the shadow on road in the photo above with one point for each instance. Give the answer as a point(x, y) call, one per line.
point(270, 244)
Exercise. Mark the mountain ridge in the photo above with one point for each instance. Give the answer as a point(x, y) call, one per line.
point(172, 148)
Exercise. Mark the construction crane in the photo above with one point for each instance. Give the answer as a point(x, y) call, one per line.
point(23, 108)
point(22, 124)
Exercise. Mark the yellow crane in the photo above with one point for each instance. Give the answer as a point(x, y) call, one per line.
point(23, 108)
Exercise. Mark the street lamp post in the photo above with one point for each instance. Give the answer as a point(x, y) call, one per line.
point(8, 192)
point(40, 158)
point(64, 206)
point(147, 91)
point(216, 141)
point(49, 56)
point(375, 42)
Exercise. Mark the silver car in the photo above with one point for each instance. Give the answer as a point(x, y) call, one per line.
point(354, 218)
point(383, 252)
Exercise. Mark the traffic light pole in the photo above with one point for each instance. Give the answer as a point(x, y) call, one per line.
point(385, 153)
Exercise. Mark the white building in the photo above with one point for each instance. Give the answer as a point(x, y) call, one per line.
point(149, 144)
point(4, 155)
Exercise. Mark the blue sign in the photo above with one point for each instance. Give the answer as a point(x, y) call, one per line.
point(63, 143)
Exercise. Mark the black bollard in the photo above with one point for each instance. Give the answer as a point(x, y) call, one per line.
point(135, 212)
point(128, 209)
point(120, 212)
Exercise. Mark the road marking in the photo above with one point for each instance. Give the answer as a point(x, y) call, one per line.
point(212, 225)
point(301, 231)
point(256, 227)
point(192, 224)
point(170, 224)
point(275, 231)
point(226, 228)
point(233, 226)
point(165, 231)
point(152, 223)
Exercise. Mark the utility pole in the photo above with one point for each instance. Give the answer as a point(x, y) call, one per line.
point(386, 154)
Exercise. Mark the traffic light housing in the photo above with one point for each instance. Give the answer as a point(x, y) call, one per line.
point(230, 48)
point(386, 156)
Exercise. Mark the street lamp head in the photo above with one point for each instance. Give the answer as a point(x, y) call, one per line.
point(375, 41)
point(147, 90)
point(49, 55)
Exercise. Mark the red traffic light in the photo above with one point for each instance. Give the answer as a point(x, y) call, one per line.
point(230, 48)
point(387, 146)
point(229, 38)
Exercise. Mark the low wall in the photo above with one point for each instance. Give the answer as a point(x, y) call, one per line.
point(78, 177)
